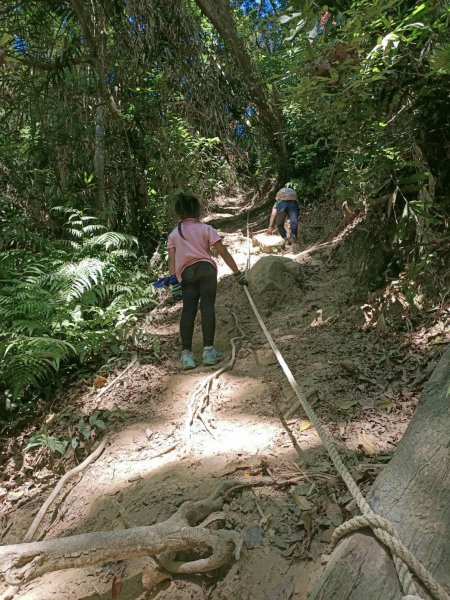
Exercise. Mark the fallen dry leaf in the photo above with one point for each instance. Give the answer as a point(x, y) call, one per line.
point(151, 576)
point(309, 527)
point(334, 513)
point(304, 425)
point(327, 535)
point(302, 502)
point(383, 403)
point(116, 586)
point(347, 404)
point(100, 382)
point(366, 444)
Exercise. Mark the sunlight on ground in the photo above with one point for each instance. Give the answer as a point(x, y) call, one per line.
point(232, 437)
point(240, 435)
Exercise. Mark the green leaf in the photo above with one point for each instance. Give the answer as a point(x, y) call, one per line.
point(5, 39)
point(347, 404)
point(156, 346)
point(84, 429)
point(418, 9)
point(52, 443)
point(383, 403)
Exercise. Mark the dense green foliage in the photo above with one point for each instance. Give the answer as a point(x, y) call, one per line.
point(109, 109)
point(65, 302)
point(370, 99)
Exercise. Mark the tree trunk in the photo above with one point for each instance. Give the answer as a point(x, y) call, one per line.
point(99, 157)
point(96, 42)
point(220, 15)
point(413, 492)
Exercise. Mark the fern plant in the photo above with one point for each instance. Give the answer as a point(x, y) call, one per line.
point(65, 301)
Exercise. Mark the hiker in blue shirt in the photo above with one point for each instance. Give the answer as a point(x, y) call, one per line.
point(286, 204)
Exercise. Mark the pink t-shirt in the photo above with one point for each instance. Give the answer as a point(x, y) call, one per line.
point(196, 245)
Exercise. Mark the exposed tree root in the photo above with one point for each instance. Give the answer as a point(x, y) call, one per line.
point(199, 399)
point(20, 563)
point(12, 589)
point(38, 518)
point(185, 530)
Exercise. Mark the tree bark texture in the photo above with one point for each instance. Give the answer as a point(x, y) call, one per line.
point(413, 492)
point(221, 17)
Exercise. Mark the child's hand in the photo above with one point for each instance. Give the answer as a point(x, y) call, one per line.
point(241, 278)
point(176, 292)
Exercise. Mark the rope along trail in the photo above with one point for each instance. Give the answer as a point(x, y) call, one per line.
point(404, 560)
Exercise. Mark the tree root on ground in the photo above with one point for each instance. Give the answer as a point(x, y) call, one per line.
point(200, 397)
point(20, 563)
point(75, 471)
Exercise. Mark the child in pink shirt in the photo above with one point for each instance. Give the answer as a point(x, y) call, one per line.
point(190, 259)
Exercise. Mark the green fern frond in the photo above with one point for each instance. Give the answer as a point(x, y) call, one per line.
point(23, 371)
point(112, 239)
point(18, 236)
point(43, 348)
point(30, 361)
point(78, 278)
point(31, 327)
point(123, 253)
point(138, 300)
point(75, 218)
point(21, 300)
point(71, 244)
point(76, 232)
point(73, 289)
point(93, 227)
point(110, 290)
point(145, 301)
point(65, 210)
point(89, 218)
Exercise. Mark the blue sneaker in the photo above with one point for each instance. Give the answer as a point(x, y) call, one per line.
point(187, 360)
point(211, 356)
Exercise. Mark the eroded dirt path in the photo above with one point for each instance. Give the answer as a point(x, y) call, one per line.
point(363, 387)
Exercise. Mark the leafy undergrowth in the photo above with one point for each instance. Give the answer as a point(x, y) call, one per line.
point(67, 305)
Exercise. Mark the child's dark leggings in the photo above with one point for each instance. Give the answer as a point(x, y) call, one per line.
point(199, 282)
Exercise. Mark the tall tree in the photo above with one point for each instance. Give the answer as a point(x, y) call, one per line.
point(221, 16)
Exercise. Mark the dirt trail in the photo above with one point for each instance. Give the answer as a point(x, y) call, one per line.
point(364, 390)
